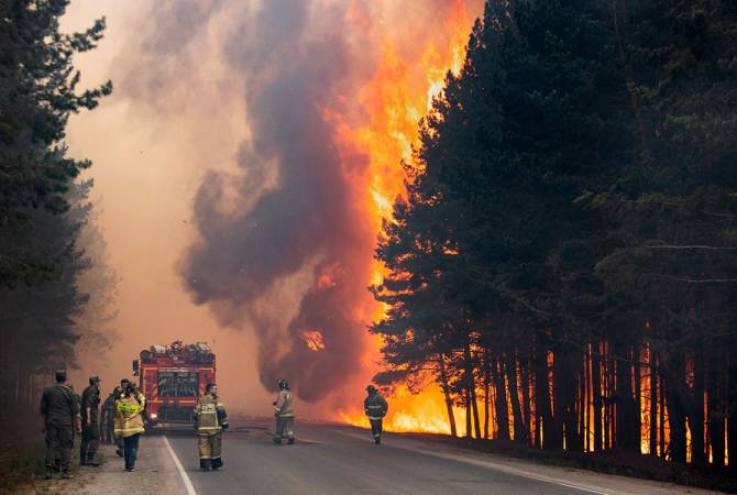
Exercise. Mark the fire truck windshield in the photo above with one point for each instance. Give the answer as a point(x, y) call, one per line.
point(178, 384)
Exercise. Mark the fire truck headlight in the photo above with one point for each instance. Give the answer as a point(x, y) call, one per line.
point(154, 415)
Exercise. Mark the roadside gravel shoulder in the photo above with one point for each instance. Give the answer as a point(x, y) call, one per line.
point(155, 474)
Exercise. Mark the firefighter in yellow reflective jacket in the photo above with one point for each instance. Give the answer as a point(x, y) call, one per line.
point(375, 407)
point(211, 421)
point(284, 412)
point(129, 423)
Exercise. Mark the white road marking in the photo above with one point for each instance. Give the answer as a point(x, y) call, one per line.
point(185, 477)
point(492, 465)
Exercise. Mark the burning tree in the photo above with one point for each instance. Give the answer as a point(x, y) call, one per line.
point(566, 249)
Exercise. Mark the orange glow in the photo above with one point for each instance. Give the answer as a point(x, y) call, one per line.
point(395, 99)
point(313, 339)
point(425, 412)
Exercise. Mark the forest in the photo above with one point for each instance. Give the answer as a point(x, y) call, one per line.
point(564, 264)
point(55, 286)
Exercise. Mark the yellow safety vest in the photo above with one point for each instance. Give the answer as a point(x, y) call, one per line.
point(128, 420)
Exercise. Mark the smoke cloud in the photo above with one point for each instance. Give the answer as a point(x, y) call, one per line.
point(283, 242)
point(285, 221)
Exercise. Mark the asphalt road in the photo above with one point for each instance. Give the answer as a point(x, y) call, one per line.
point(338, 460)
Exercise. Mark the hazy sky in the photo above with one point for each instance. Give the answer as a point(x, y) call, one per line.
point(223, 93)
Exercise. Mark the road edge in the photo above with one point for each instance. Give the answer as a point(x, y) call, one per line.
point(182, 473)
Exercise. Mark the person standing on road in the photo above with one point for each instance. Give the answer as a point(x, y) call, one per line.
point(211, 420)
point(129, 425)
point(90, 423)
point(117, 394)
point(60, 411)
point(107, 417)
point(375, 407)
point(284, 412)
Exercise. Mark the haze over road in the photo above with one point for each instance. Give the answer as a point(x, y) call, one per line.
point(340, 460)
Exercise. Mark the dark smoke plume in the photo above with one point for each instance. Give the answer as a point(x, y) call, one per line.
point(295, 65)
point(284, 246)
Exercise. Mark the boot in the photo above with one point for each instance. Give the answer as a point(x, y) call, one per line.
point(290, 441)
point(277, 440)
point(66, 475)
point(217, 463)
point(83, 458)
point(49, 472)
point(205, 465)
point(91, 460)
point(377, 440)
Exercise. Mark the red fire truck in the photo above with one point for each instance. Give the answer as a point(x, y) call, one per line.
point(172, 377)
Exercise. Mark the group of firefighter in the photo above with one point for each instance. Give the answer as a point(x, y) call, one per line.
point(122, 417)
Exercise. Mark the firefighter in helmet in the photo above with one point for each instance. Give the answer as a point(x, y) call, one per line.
point(129, 423)
point(90, 423)
point(117, 393)
point(284, 412)
point(375, 407)
point(211, 420)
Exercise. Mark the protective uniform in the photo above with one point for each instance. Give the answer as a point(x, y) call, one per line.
point(284, 412)
point(211, 421)
point(60, 411)
point(375, 407)
point(117, 393)
point(90, 424)
point(129, 425)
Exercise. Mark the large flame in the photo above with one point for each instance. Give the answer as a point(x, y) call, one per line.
point(396, 98)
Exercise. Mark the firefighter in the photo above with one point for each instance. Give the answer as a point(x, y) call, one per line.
point(211, 419)
point(60, 411)
point(284, 412)
point(90, 423)
point(129, 423)
point(375, 407)
point(117, 393)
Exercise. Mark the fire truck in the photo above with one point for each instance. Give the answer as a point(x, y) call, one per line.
point(172, 377)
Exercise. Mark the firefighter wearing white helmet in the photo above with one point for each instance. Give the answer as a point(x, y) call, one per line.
point(211, 421)
point(284, 413)
point(375, 407)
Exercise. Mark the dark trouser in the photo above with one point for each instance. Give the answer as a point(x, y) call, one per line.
point(59, 443)
point(130, 447)
point(90, 442)
point(284, 428)
point(376, 427)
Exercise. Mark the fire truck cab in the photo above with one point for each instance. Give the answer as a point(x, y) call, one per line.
point(172, 377)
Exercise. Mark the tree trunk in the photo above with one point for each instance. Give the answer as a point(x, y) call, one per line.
point(654, 404)
point(716, 414)
point(626, 437)
point(596, 392)
point(446, 392)
point(698, 457)
point(471, 386)
point(502, 416)
point(526, 399)
point(520, 429)
point(487, 389)
point(676, 406)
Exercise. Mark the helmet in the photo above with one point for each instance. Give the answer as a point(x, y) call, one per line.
point(94, 379)
point(283, 384)
point(371, 389)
